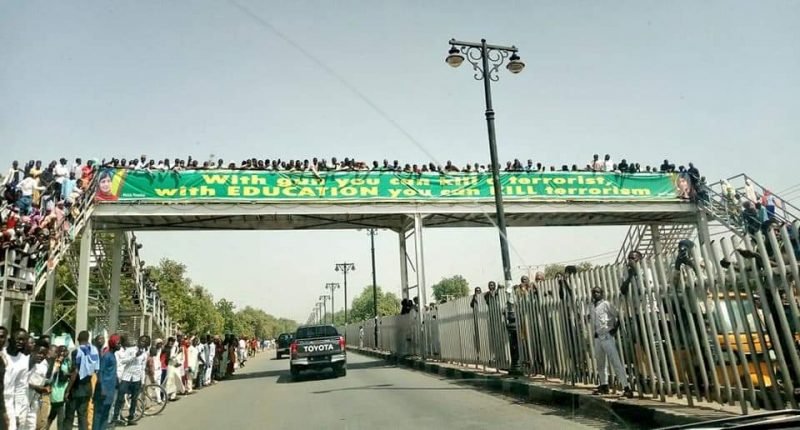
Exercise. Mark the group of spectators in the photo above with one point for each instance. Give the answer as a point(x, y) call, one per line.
point(351, 164)
point(37, 207)
point(96, 381)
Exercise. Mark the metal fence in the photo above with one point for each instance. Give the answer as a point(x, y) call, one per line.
point(719, 323)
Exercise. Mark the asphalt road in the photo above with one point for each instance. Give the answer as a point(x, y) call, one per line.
point(373, 395)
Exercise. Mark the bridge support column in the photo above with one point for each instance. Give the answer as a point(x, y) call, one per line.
point(49, 302)
point(84, 272)
point(116, 271)
point(403, 265)
point(420, 259)
point(25, 318)
point(655, 233)
point(421, 292)
point(703, 233)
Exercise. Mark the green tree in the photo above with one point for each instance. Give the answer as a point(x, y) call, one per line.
point(362, 307)
point(551, 270)
point(450, 288)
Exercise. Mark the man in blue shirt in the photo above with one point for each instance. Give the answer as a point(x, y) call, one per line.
point(106, 384)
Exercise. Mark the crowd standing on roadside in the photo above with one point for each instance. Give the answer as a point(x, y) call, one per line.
point(96, 384)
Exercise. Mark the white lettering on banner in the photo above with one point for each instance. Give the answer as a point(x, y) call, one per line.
point(315, 348)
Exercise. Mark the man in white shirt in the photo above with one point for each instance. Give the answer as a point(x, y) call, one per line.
point(608, 164)
point(605, 324)
point(242, 352)
point(202, 359)
point(131, 365)
point(36, 379)
point(14, 174)
point(60, 174)
point(77, 168)
point(15, 388)
point(26, 187)
point(211, 353)
point(192, 363)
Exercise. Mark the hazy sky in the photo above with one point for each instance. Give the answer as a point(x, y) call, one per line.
point(716, 82)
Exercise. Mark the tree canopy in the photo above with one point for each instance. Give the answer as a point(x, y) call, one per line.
point(191, 306)
point(196, 312)
point(362, 307)
point(450, 288)
point(551, 270)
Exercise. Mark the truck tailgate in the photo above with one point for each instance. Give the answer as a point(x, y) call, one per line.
point(319, 348)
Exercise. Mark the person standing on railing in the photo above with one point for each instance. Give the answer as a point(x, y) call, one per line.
point(605, 324)
point(474, 304)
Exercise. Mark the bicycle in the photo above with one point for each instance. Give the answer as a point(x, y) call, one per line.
point(152, 401)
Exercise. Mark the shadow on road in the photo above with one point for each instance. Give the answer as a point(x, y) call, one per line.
point(286, 378)
point(370, 365)
point(262, 374)
point(390, 387)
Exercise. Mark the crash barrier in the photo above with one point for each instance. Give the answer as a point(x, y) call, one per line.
point(717, 322)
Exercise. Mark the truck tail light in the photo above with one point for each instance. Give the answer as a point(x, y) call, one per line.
point(293, 348)
point(341, 343)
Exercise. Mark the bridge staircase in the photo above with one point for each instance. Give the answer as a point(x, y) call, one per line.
point(722, 203)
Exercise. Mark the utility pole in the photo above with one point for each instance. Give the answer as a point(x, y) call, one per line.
point(333, 286)
point(372, 232)
point(486, 59)
point(344, 268)
point(324, 299)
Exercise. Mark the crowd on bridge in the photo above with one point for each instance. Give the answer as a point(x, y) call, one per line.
point(596, 164)
point(52, 382)
point(40, 202)
point(37, 208)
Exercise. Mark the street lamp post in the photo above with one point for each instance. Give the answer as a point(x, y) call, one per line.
point(333, 286)
point(344, 268)
point(486, 60)
point(372, 232)
point(324, 299)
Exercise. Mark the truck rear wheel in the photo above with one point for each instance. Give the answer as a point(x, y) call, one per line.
point(294, 371)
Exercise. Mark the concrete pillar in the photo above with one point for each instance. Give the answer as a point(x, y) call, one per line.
point(84, 272)
point(421, 291)
point(702, 229)
point(49, 301)
point(5, 314)
point(25, 318)
point(655, 233)
point(116, 271)
point(403, 265)
point(420, 259)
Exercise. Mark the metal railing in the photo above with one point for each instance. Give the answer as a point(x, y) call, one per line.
point(722, 327)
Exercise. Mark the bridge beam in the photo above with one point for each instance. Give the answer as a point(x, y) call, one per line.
point(116, 272)
point(84, 272)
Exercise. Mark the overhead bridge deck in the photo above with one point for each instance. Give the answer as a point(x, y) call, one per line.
point(259, 215)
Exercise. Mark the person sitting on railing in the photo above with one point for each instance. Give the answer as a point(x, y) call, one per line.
point(751, 218)
point(634, 257)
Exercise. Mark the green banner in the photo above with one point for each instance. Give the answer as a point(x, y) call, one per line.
point(237, 185)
